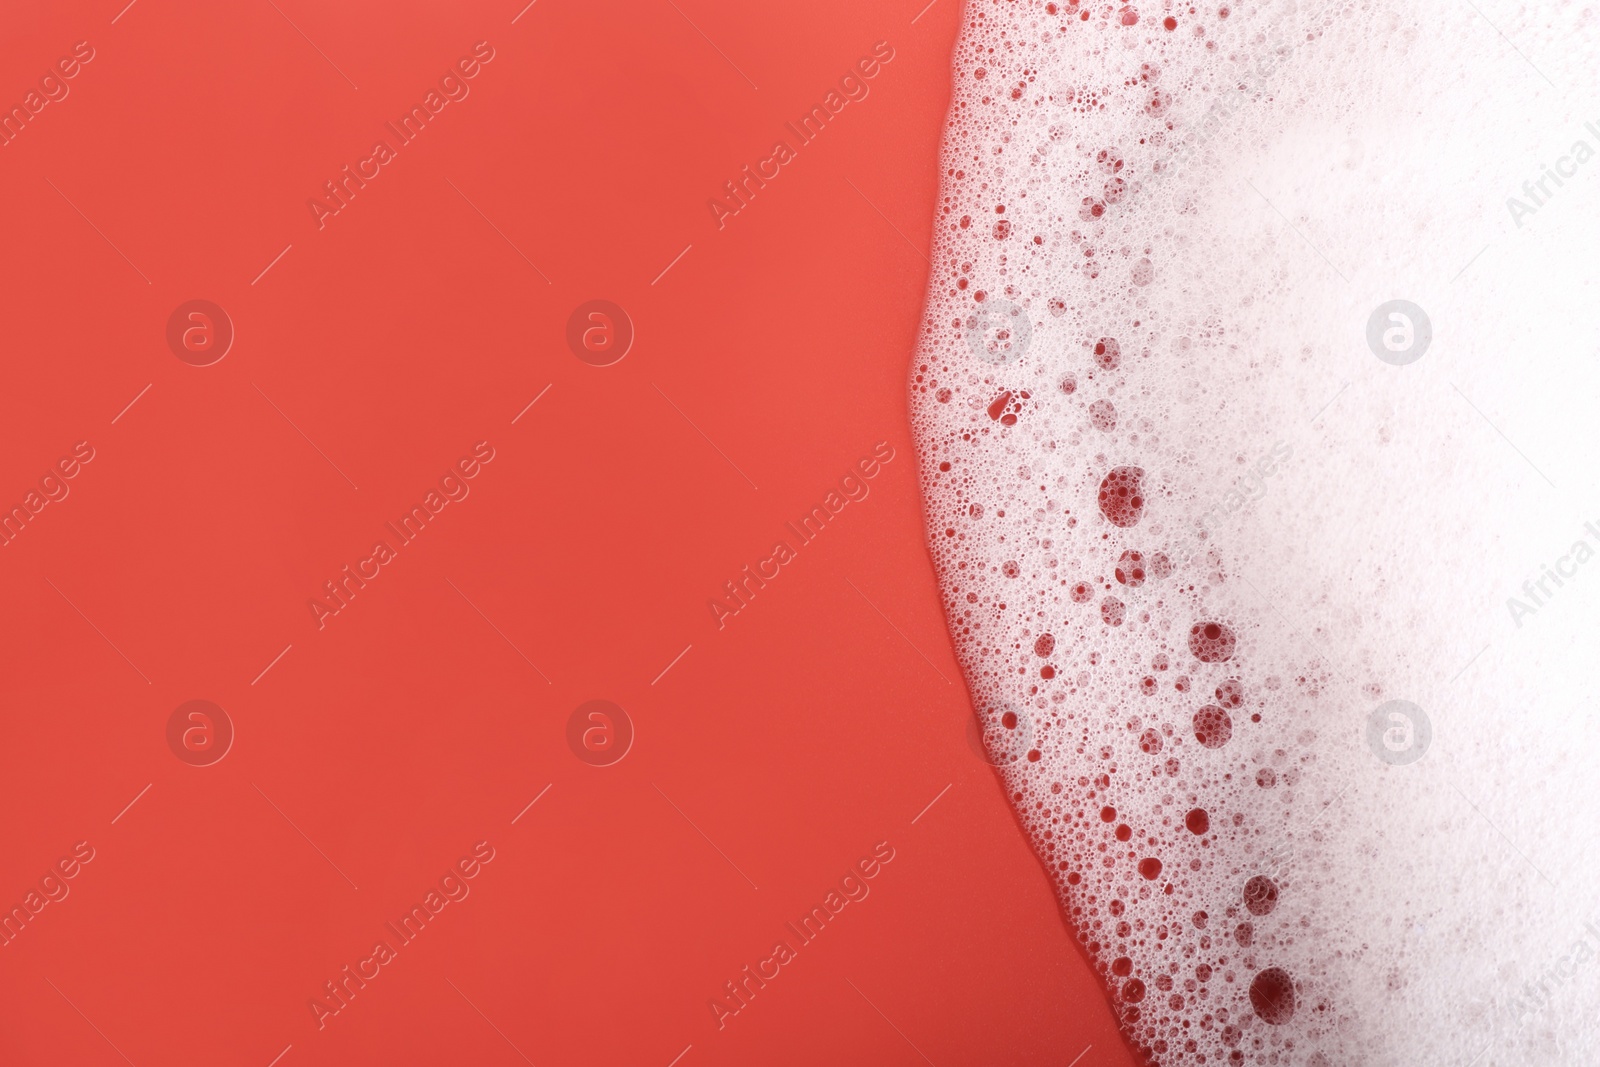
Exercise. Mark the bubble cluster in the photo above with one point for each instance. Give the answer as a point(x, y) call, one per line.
point(1054, 404)
point(1217, 561)
point(1122, 496)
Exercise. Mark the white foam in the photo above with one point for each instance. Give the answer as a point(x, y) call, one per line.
point(1229, 202)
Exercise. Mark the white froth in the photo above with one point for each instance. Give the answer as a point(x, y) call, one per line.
point(1197, 225)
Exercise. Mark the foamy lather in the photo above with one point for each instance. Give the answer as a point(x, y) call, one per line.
point(1191, 531)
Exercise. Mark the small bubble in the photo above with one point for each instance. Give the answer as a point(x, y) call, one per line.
point(1108, 353)
point(1103, 415)
point(1272, 996)
point(1212, 726)
point(1122, 496)
point(1211, 642)
point(1260, 895)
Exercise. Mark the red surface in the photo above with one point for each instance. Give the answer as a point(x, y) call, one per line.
point(379, 749)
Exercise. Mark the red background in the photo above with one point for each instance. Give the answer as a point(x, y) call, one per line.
point(820, 721)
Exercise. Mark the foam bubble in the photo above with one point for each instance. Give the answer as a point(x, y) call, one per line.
point(1164, 233)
